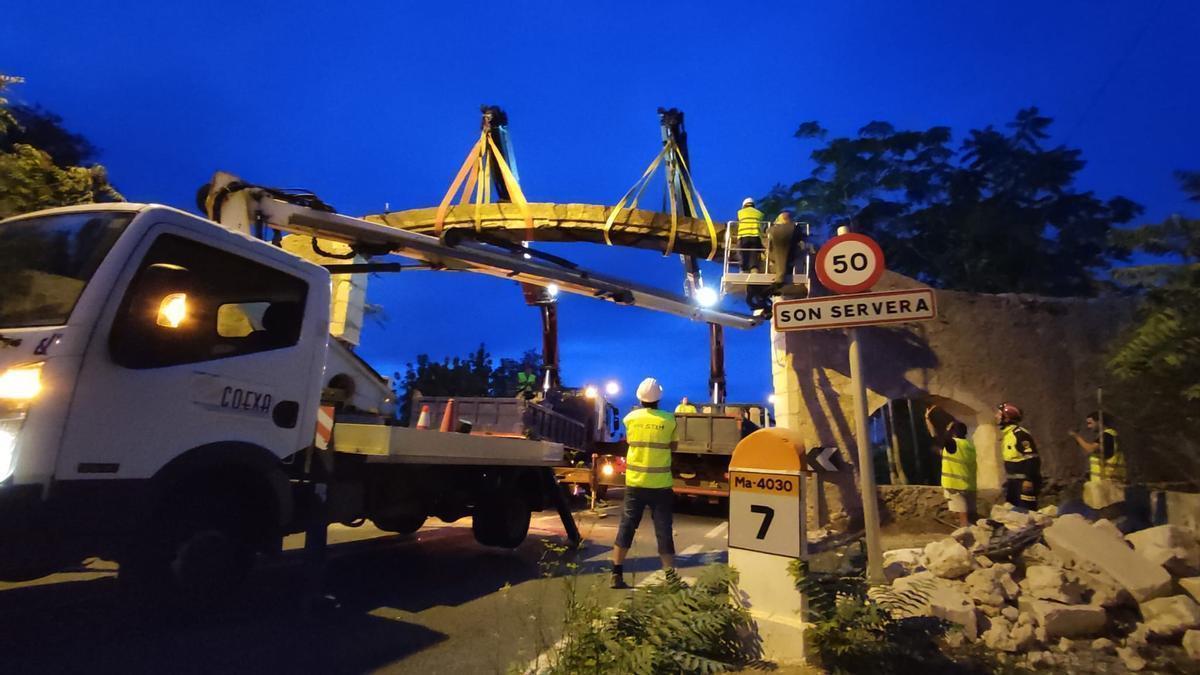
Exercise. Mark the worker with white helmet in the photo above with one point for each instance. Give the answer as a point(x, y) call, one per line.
point(650, 433)
point(750, 235)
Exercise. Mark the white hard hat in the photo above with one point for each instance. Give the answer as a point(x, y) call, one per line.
point(748, 201)
point(649, 391)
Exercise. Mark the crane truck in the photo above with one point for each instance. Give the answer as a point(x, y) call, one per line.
point(162, 377)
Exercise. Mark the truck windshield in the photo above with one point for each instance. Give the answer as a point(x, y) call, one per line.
point(46, 262)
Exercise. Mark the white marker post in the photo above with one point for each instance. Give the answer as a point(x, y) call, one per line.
point(767, 531)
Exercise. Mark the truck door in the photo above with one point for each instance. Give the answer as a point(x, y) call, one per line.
point(203, 341)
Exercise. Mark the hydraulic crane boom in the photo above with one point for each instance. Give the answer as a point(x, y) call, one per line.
point(250, 209)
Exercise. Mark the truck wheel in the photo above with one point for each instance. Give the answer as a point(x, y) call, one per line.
point(198, 551)
point(501, 522)
point(399, 524)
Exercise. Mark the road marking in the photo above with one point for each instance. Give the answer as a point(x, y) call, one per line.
point(718, 531)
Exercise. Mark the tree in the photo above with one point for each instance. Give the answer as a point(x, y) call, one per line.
point(43, 165)
point(1156, 363)
point(473, 375)
point(997, 215)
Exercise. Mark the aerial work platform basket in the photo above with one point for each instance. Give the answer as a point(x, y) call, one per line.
point(764, 279)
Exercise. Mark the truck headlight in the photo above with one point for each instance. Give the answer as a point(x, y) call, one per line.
point(22, 383)
point(9, 428)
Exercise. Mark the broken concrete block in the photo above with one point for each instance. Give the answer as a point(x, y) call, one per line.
point(1171, 546)
point(1099, 588)
point(1050, 583)
point(987, 586)
point(1074, 540)
point(1105, 525)
point(1040, 554)
point(1065, 645)
point(1131, 659)
point(901, 562)
point(947, 600)
point(1191, 586)
point(1191, 644)
point(1103, 645)
point(1051, 511)
point(1069, 620)
point(948, 559)
point(1003, 636)
point(1170, 617)
point(1010, 517)
point(1011, 613)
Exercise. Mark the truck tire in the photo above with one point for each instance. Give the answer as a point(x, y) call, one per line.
point(502, 522)
point(399, 524)
point(198, 551)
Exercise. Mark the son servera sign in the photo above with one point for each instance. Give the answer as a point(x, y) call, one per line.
point(865, 309)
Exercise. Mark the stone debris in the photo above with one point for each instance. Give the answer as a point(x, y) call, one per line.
point(1191, 586)
point(948, 559)
point(902, 562)
point(1074, 540)
point(1191, 644)
point(1171, 546)
point(1170, 617)
point(1050, 583)
point(1039, 587)
point(1072, 621)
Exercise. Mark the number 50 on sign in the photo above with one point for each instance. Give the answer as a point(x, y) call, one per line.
point(764, 512)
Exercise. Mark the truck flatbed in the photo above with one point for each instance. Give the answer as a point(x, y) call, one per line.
point(402, 445)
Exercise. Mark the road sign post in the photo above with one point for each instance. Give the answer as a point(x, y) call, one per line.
point(767, 531)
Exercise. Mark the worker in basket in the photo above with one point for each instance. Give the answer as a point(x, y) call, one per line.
point(749, 236)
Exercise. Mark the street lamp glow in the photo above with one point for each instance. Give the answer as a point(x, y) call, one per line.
point(612, 388)
point(706, 297)
point(591, 392)
point(771, 399)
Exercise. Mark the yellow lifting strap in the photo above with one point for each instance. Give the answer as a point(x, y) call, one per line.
point(475, 176)
point(689, 189)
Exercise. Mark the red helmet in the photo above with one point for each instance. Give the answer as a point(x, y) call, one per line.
point(1009, 412)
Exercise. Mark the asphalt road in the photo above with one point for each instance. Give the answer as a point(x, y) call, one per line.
point(433, 602)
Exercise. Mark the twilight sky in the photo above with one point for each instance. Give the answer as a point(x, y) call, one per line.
point(374, 103)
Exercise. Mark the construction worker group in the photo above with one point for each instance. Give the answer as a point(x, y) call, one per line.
point(783, 241)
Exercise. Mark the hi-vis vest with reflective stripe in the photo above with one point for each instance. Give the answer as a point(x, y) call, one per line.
point(1009, 444)
point(685, 408)
point(1112, 468)
point(648, 462)
point(958, 468)
point(749, 220)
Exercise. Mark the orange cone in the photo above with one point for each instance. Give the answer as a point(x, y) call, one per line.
point(448, 417)
point(423, 420)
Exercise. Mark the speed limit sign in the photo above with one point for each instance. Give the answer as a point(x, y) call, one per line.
point(850, 263)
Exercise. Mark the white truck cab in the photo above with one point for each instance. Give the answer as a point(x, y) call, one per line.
point(160, 380)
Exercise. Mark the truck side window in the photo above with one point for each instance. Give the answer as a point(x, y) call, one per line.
point(190, 302)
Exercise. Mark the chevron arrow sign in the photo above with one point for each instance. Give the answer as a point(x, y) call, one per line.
point(824, 460)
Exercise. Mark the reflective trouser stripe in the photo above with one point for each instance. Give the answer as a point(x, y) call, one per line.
point(649, 444)
point(648, 469)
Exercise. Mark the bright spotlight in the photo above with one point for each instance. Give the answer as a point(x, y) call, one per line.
point(771, 399)
point(612, 388)
point(590, 392)
point(607, 470)
point(706, 297)
point(552, 290)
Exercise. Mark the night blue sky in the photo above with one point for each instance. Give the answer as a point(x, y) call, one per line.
point(374, 103)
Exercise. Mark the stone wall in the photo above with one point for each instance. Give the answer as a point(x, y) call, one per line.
point(1043, 354)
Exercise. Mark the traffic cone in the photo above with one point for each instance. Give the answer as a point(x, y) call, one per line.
point(448, 417)
point(423, 419)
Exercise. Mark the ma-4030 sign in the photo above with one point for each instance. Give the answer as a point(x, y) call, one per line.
point(866, 309)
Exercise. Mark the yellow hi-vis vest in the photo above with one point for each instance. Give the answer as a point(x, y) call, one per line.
point(958, 468)
point(749, 222)
point(1112, 468)
point(1008, 442)
point(685, 408)
point(649, 432)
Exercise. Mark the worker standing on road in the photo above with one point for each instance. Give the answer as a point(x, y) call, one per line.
point(526, 384)
point(650, 433)
point(684, 406)
point(1022, 464)
point(749, 235)
point(958, 463)
point(1106, 475)
point(779, 244)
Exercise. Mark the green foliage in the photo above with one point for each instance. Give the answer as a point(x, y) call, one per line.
point(1156, 363)
point(42, 165)
point(658, 629)
point(859, 629)
point(998, 214)
point(473, 375)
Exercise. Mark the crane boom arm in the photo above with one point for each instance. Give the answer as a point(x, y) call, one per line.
point(241, 207)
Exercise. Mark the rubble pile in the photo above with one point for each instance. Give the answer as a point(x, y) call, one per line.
point(1059, 592)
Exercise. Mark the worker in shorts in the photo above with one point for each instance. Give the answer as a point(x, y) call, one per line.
point(650, 434)
point(958, 463)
